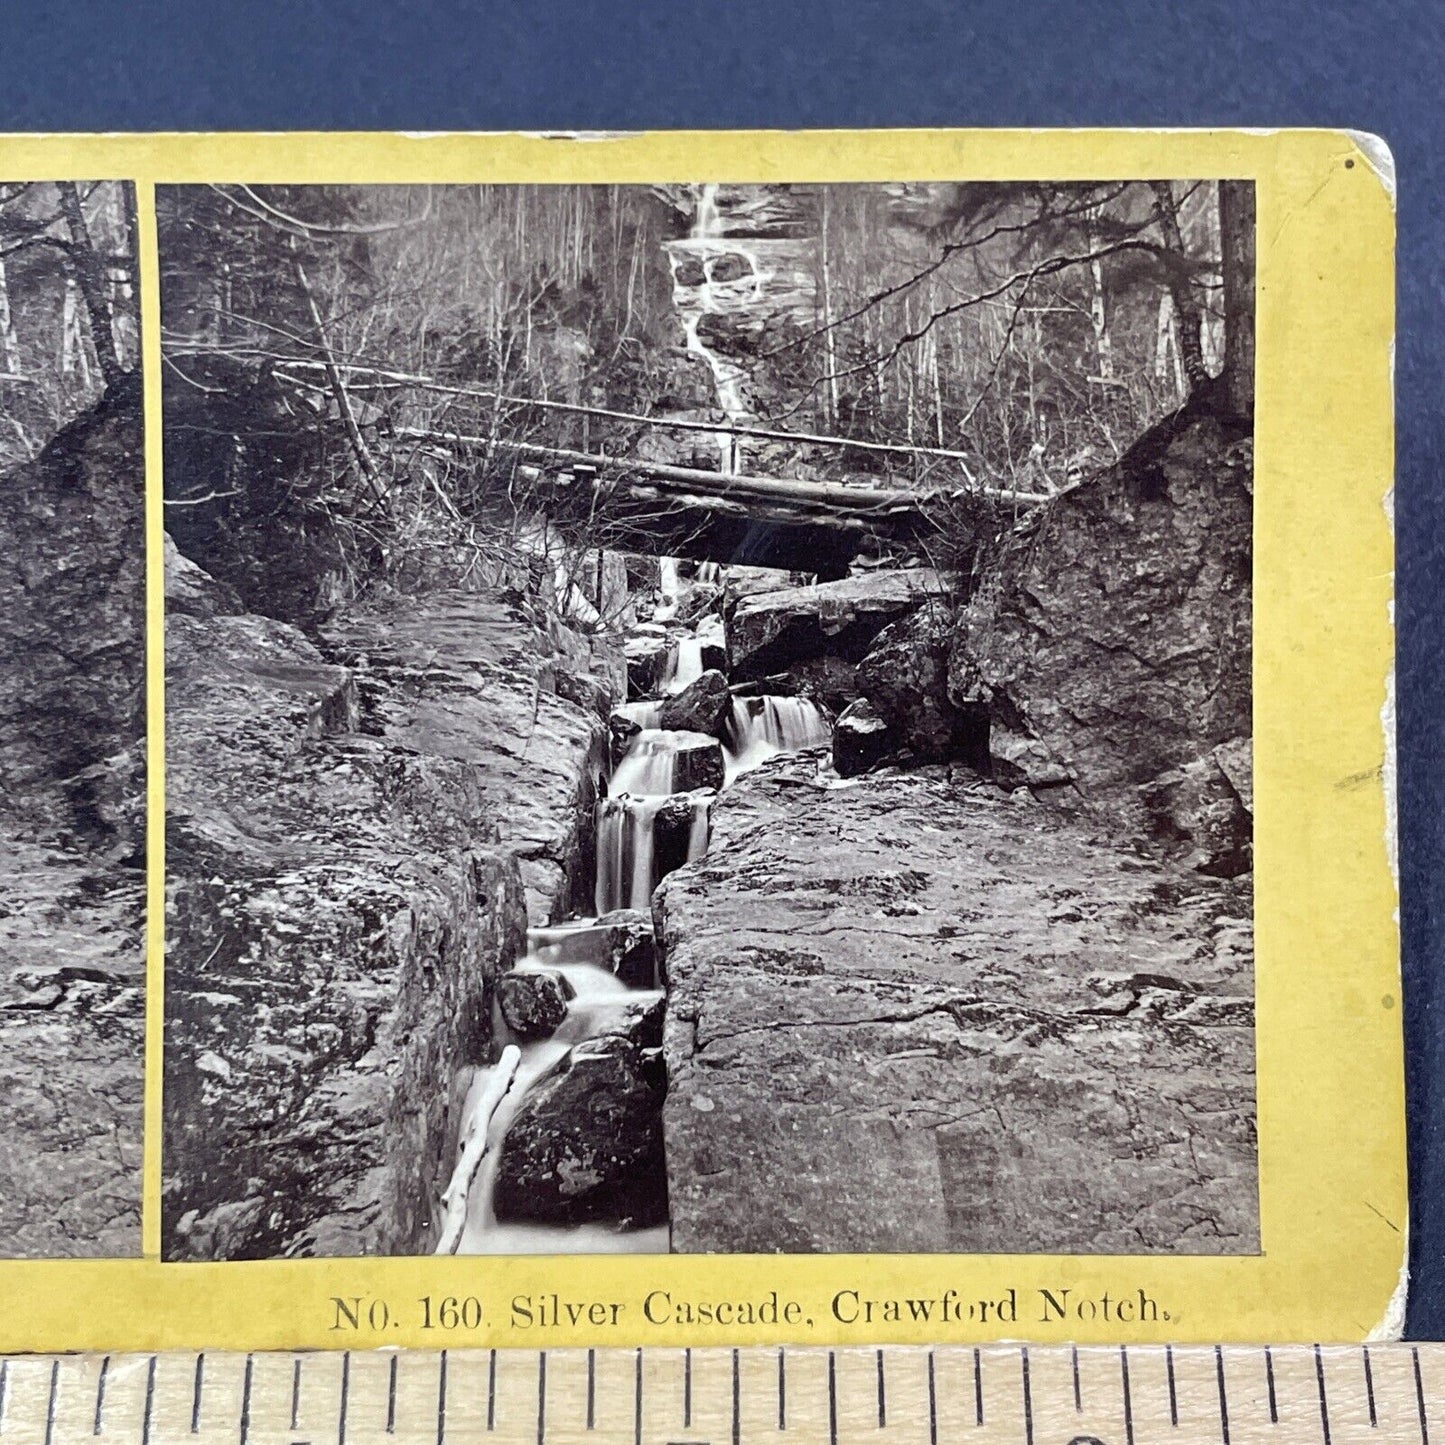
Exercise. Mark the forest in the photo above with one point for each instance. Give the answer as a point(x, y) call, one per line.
point(372, 358)
point(69, 318)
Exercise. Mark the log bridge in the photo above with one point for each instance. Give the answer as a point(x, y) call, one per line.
point(784, 522)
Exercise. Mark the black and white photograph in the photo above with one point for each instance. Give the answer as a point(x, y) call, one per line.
point(701, 718)
point(72, 722)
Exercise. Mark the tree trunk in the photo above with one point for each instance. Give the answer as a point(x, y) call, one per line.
point(9, 343)
point(1181, 286)
point(1236, 236)
point(90, 276)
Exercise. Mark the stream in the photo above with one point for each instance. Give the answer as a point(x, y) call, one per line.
point(654, 814)
point(645, 827)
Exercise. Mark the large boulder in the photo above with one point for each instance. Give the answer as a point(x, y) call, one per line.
point(631, 947)
point(905, 677)
point(673, 827)
point(1111, 630)
point(534, 1001)
point(647, 653)
point(586, 1142)
point(771, 632)
point(703, 706)
point(72, 626)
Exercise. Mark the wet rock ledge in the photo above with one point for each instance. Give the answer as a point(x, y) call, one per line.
point(355, 839)
point(918, 1013)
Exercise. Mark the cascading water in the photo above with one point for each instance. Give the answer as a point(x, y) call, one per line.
point(761, 727)
point(704, 254)
point(598, 1001)
point(644, 829)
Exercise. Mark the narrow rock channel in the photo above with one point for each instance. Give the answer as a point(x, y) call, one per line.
point(572, 1156)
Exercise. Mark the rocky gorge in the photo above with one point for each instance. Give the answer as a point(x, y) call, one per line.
point(724, 908)
point(72, 821)
point(984, 983)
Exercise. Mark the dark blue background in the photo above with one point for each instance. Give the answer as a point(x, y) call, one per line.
point(430, 65)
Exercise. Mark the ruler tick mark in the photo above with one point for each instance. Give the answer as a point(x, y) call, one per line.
point(1420, 1398)
point(978, 1387)
point(592, 1390)
point(345, 1397)
point(1173, 1391)
point(198, 1385)
point(687, 1389)
point(782, 1391)
point(882, 1395)
point(932, 1404)
point(1128, 1398)
point(150, 1406)
point(541, 1396)
point(492, 1392)
point(637, 1401)
point(1223, 1398)
point(100, 1396)
point(1078, 1396)
point(295, 1390)
point(246, 1405)
point(832, 1398)
point(1269, 1381)
point(1324, 1404)
point(1028, 1400)
point(442, 1396)
point(391, 1397)
point(50, 1402)
point(1370, 1389)
point(737, 1402)
point(4, 1380)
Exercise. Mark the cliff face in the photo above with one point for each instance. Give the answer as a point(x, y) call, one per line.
point(72, 804)
point(915, 1013)
point(1109, 637)
point(998, 993)
point(352, 854)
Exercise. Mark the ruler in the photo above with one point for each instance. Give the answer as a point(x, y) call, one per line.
point(1007, 1394)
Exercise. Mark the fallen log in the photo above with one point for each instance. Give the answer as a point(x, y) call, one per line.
point(859, 500)
point(474, 1148)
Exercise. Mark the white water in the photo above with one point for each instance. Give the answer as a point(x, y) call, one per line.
point(763, 727)
point(627, 868)
point(649, 765)
point(684, 664)
point(667, 588)
point(627, 874)
point(706, 245)
point(600, 1000)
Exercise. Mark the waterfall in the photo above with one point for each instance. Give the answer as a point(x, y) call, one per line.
point(649, 765)
point(643, 830)
point(667, 589)
point(594, 1007)
point(625, 852)
point(706, 247)
point(646, 714)
point(628, 866)
point(684, 664)
point(761, 727)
